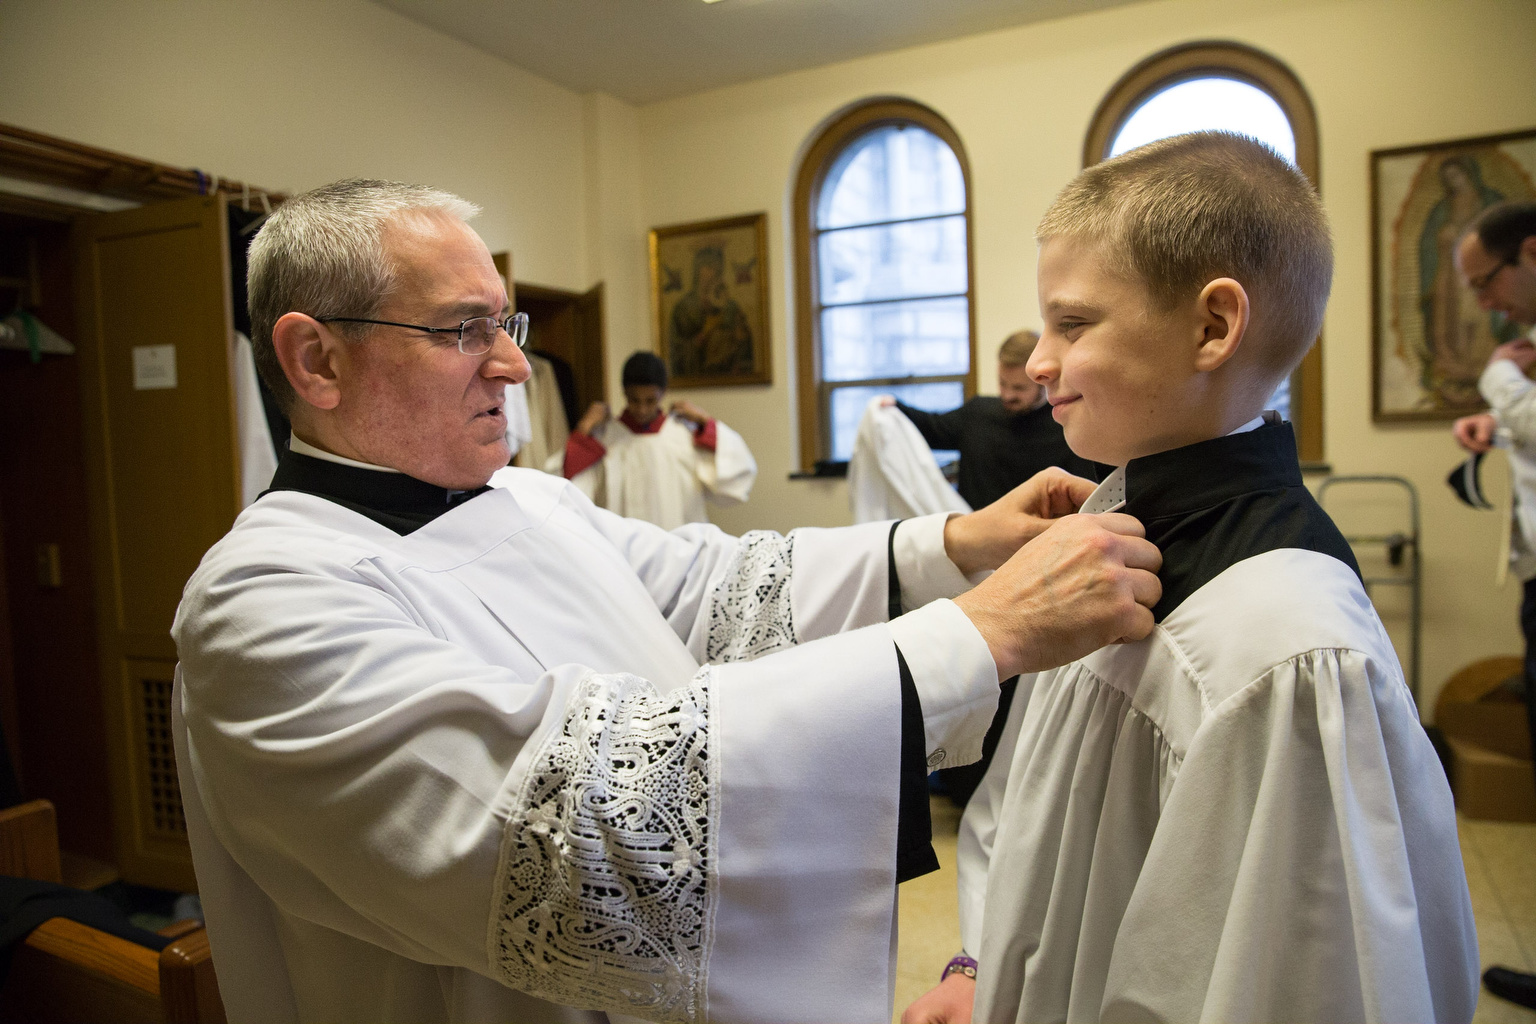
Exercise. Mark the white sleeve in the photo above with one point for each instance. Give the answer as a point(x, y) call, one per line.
point(578, 836)
point(728, 473)
point(1305, 866)
point(1512, 397)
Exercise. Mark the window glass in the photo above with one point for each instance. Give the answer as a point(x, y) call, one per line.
point(1204, 104)
point(848, 405)
point(892, 173)
point(892, 276)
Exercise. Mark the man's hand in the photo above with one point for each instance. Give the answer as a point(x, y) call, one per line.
point(988, 537)
point(1475, 432)
point(1087, 581)
point(688, 411)
point(1521, 352)
point(949, 1002)
point(597, 414)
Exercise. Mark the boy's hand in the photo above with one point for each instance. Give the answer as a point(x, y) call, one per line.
point(949, 1002)
point(1475, 432)
point(688, 411)
point(1086, 582)
point(597, 414)
point(988, 537)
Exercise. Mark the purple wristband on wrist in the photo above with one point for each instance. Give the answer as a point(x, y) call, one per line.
point(961, 964)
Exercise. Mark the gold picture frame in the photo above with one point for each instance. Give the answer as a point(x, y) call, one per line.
point(709, 301)
point(1430, 340)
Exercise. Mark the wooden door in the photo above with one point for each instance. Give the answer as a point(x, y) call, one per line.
point(163, 478)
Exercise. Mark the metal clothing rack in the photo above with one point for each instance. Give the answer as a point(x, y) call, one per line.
point(1400, 547)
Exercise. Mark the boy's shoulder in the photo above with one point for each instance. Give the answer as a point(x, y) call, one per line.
point(1277, 607)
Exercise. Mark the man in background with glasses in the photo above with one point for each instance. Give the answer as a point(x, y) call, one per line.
point(456, 744)
point(1497, 260)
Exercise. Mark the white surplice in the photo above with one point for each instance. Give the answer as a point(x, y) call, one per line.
point(664, 477)
point(541, 440)
point(1237, 819)
point(892, 473)
point(477, 771)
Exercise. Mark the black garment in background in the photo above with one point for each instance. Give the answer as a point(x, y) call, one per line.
point(998, 449)
point(565, 378)
point(405, 504)
point(239, 245)
point(25, 904)
point(1528, 627)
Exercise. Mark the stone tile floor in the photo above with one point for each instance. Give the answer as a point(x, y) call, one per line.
point(1500, 860)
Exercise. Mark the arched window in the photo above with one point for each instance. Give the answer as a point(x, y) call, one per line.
point(1225, 86)
point(883, 270)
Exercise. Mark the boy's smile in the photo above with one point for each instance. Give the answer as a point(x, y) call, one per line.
point(1115, 368)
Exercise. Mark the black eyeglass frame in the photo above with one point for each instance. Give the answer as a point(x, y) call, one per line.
point(516, 326)
point(1480, 284)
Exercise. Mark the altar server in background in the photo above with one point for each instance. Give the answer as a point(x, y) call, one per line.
point(1239, 818)
point(457, 745)
point(656, 464)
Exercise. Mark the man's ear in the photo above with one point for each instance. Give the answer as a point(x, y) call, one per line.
point(310, 356)
point(1223, 311)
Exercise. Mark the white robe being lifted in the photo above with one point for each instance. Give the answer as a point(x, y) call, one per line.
point(1236, 819)
point(476, 771)
point(663, 477)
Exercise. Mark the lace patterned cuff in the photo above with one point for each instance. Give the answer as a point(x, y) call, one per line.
point(605, 891)
point(750, 613)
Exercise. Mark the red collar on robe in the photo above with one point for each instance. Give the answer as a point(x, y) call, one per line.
point(637, 427)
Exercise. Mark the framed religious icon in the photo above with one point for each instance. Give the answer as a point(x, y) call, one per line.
point(1430, 338)
point(709, 301)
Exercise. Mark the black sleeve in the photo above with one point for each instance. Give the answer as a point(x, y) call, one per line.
point(940, 429)
point(914, 824)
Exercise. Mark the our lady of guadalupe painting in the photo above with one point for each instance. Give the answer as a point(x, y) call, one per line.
point(1431, 338)
point(709, 297)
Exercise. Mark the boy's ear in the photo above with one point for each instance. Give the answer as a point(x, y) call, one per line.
point(1223, 311)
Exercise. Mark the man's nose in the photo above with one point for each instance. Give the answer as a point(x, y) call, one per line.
point(507, 360)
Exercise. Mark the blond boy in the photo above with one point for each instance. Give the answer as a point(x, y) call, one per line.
point(1240, 817)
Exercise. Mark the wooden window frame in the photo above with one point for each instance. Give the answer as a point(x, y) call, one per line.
point(1257, 68)
point(831, 139)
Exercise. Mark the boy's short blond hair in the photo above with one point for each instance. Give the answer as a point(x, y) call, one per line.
point(1183, 211)
point(1017, 348)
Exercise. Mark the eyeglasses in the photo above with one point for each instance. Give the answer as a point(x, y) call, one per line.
point(476, 335)
point(1480, 284)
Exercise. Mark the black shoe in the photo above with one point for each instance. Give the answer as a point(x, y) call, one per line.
point(1516, 986)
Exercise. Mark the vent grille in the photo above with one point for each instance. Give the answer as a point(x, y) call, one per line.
point(164, 793)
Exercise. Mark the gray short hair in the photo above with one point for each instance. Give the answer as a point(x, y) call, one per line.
point(322, 253)
point(1182, 211)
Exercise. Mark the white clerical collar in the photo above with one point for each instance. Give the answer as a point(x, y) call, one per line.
point(303, 447)
point(1109, 496)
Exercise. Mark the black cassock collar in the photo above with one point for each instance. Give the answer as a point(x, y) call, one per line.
point(1210, 505)
point(401, 503)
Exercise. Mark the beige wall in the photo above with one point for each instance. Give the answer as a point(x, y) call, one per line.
point(1381, 74)
point(290, 94)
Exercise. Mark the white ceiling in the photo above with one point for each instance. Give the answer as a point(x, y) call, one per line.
point(647, 50)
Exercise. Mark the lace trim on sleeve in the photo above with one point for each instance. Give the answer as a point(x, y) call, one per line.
point(605, 893)
point(749, 613)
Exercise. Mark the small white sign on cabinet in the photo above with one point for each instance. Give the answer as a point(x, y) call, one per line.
point(154, 367)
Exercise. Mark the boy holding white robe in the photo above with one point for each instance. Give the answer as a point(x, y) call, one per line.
point(1240, 817)
point(655, 465)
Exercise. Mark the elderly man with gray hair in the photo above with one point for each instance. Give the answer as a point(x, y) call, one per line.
point(457, 745)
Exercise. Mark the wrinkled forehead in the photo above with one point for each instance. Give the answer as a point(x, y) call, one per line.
point(439, 260)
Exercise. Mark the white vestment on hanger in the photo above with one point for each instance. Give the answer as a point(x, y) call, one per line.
point(476, 771)
point(258, 459)
point(892, 474)
point(543, 430)
point(664, 477)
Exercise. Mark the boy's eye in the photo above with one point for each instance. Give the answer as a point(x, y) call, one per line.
point(1071, 328)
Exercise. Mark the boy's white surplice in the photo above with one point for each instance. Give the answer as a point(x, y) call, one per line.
point(664, 477)
point(1236, 819)
point(422, 773)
